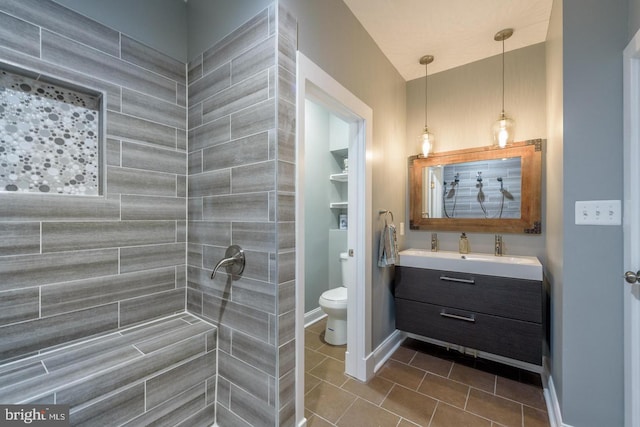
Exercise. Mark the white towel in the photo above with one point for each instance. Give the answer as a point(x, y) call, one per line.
point(388, 251)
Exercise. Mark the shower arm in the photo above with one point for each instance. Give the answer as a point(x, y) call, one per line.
point(233, 261)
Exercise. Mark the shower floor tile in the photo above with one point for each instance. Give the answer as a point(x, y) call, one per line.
point(420, 385)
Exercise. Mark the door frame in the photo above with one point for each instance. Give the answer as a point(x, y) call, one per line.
point(312, 80)
point(631, 229)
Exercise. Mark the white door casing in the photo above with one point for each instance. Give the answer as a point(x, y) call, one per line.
point(631, 229)
point(315, 83)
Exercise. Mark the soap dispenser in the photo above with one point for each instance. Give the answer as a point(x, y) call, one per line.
point(464, 244)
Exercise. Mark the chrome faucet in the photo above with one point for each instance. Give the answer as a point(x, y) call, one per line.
point(434, 242)
point(499, 245)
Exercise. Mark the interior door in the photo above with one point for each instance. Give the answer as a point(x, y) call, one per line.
point(631, 227)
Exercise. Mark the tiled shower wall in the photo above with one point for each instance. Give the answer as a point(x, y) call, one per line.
point(241, 191)
point(74, 266)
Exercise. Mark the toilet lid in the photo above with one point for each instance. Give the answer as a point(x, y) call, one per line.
point(336, 294)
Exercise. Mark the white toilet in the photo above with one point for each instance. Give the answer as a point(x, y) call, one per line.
point(334, 303)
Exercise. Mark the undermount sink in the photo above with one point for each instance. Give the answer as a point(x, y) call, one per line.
point(519, 267)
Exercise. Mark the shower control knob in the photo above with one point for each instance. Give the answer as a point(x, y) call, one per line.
point(632, 277)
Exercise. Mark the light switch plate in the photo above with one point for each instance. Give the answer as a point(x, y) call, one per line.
point(599, 212)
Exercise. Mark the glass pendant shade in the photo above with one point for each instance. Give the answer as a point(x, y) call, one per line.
point(425, 141)
point(503, 130)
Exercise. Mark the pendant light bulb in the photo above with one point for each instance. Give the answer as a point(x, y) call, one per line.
point(426, 139)
point(503, 127)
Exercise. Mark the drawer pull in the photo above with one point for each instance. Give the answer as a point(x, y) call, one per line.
point(455, 279)
point(457, 317)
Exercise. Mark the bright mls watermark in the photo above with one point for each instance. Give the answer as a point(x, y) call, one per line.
point(34, 415)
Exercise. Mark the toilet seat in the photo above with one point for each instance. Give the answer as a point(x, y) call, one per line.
point(334, 298)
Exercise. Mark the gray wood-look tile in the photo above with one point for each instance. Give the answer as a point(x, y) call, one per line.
point(246, 35)
point(80, 58)
point(132, 181)
point(256, 353)
point(194, 69)
point(181, 139)
point(194, 301)
point(66, 236)
point(133, 128)
point(137, 53)
point(241, 95)
point(105, 352)
point(287, 88)
point(237, 207)
point(19, 35)
point(210, 134)
point(286, 266)
point(181, 231)
point(200, 279)
point(179, 379)
point(287, 358)
point(286, 207)
point(195, 162)
point(21, 372)
point(287, 23)
point(35, 270)
point(202, 418)
point(195, 115)
point(137, 156)
point(181, 189)
point(272, 81)
point(210, 183)
point(260, 57)
point(251, 406)
point(286, 236)
point(150, 307)
point(18, 238)
point(154, 109)
point(287, 54)
point(227, 418)
point(243, 375)
point(286, 296)
point(286, 327)
point(245, 319)
point(150, 257)
point(256, 267)
point(66, 297)
point(209, 84)
point(25, 337)
point(156, 343)
point(181, 95)
point(52, 207)
point(194, 255)
point(252, 149)
point(57, 18)
point(287, 385)
point(113, 152)
point(194, 209)
point(175, 410)
point(113, 410)
point(272, 19)
point(181, 276)
point(211, 390)
point(153, 208)
point(287, 147)
point(111, 380)
point(286, 177)
point(258, 118)
point(258, 236)
point(258, 294)
point(253, 177)
point(19, 305)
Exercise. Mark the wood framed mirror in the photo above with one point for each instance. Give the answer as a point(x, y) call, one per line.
point(484, 189)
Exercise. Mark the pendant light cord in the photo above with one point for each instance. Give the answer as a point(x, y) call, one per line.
point(426, 91)
point(503, 76)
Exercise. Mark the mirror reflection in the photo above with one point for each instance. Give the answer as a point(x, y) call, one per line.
point(481, 189)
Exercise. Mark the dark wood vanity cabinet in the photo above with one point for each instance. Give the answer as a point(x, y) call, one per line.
point(498, 315)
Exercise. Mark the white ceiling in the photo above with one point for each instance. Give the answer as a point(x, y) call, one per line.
point(455, 32)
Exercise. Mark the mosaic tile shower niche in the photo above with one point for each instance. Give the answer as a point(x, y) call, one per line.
point(49, 138)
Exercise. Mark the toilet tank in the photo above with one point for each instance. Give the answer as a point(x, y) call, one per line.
point(344, 257)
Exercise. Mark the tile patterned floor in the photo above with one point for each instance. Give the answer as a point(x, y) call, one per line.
point(421, 385)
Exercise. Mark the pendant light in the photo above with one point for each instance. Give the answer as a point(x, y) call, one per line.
point(503, 127)
point(426, 139)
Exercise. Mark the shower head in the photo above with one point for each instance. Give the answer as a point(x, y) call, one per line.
point(479, 176)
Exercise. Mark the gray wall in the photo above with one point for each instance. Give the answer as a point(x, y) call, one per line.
point(113, 260)
point(634, 18)
point(463, 104)
point(592, 336)
point(349, 55)
point(212, 20)
point(161, 24)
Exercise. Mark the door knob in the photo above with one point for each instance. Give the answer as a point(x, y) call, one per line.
point(632, 277)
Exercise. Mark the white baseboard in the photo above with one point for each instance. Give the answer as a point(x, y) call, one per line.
point(384, 351)
point(551, 397)
point(303, 423)
point(313, 316)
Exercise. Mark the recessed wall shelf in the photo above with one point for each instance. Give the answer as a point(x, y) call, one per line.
point(339, 177)
point(339, 205)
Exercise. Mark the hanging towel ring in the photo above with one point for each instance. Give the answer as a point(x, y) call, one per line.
point(386, 213)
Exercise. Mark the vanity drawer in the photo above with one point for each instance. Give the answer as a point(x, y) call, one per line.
point(501, 296)
point(505, 337)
